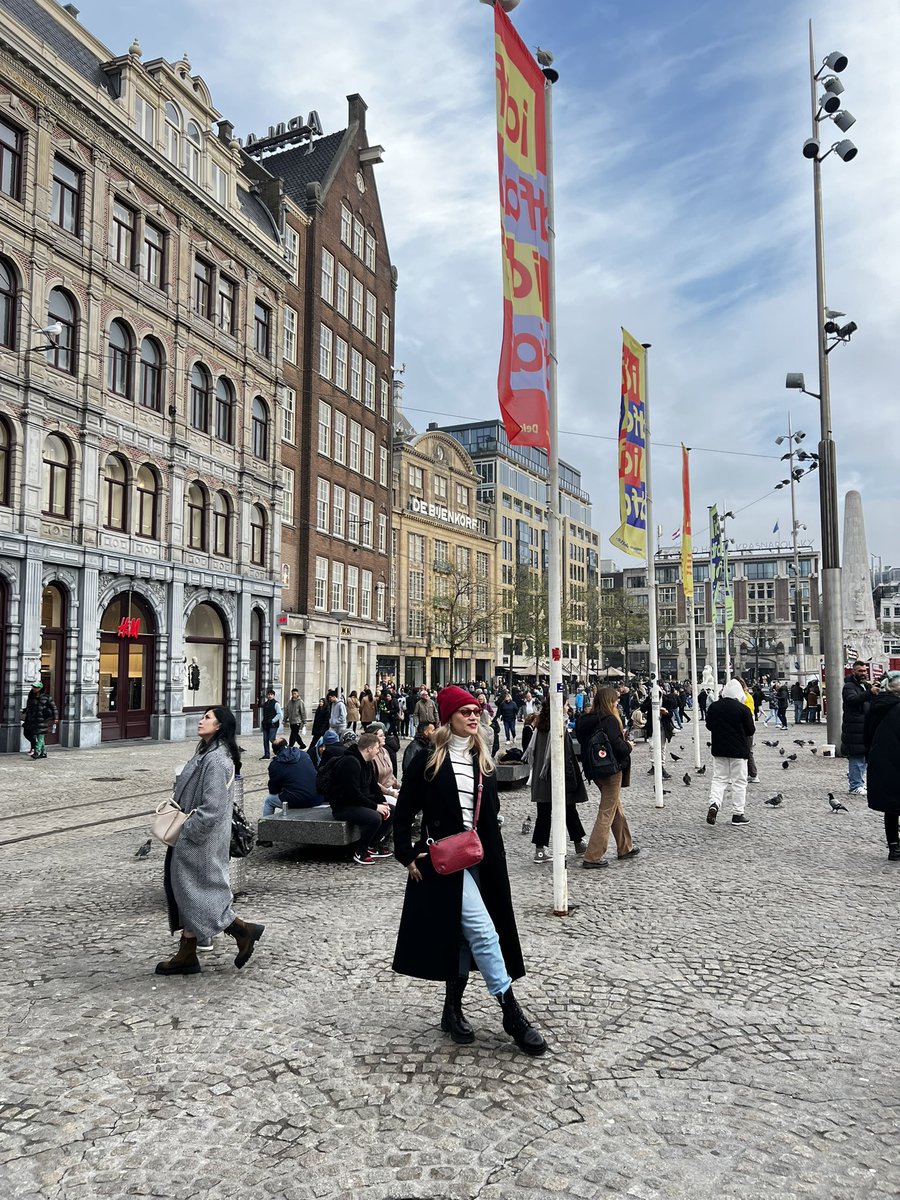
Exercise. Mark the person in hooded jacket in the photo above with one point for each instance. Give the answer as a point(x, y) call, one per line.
point(292, 779)
point(881, 738)
point(731, 727)
point(450, 919)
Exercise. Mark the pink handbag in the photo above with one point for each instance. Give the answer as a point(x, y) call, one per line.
point(459, 850)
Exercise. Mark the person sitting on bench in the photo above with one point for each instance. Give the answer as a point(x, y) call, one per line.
point(354, 796)
point(292, 779)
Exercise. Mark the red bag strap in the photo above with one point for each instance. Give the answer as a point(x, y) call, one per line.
point(478, 800)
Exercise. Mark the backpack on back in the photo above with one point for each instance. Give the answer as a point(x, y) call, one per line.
point(325, 774)
point(598, 758)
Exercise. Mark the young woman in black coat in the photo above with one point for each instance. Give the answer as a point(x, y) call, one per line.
point(449, 920)
point(319, 725)
point(881, 736)
point(605, 714)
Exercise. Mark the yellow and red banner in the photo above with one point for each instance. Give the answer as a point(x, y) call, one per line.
point(524, 378)
point(687, 549)
point(631, 536)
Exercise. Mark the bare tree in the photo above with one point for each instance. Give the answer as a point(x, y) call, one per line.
point(464, 613)
point(623, 624)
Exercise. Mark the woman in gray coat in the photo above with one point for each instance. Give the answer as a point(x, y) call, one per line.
point(538, 755)
point(197, 885)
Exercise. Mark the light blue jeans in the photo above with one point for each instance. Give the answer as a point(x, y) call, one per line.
point(481, 938)
point(856, 773)
point(270, 804)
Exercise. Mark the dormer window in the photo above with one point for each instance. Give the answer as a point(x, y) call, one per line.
point(192, 146)
point(173, 133)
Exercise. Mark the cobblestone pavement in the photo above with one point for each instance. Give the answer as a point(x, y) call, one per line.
point(720, 1011)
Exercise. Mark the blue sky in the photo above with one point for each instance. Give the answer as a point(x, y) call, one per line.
point(683, 212)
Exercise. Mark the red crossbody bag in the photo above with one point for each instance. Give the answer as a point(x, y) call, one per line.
point(459, 850)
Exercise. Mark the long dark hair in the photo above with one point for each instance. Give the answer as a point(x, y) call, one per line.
point(225, 735)
point(606, 704)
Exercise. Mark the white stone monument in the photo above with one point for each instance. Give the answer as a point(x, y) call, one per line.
point(862, 639)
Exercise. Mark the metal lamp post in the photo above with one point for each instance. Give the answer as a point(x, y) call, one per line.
point(793, 438)
point(828, 335)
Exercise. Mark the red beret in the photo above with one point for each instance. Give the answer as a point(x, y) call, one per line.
point(452, 698)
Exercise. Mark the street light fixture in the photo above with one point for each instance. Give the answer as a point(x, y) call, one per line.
point(828, 335)
point(793, 439)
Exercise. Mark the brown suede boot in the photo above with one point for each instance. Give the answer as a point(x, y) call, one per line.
point(246, 934)
point(185, 962)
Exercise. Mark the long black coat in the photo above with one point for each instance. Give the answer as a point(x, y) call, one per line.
point(856, 697)
point(881, 739)
point(429, 936)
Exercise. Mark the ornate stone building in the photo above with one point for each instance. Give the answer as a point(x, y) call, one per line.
point(142, 287)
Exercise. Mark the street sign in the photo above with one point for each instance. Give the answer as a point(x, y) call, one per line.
point(346, 631)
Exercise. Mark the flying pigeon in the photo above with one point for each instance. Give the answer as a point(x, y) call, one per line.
point(785, 765)
point(143, 851)
point(775, 800)
point(686, 779)
point(836, 805)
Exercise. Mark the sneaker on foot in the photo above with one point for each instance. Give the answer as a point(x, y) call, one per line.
point(740, 819)
point(364, 860)
point(380, 852)
point(712, 814)
point(590, 865)
point(581, 847)
point(542, 855)
point(753, 779)
point(857, 792)
point(631, 853)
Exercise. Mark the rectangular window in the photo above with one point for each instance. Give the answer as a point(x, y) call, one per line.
point(367, 523)
point(759, 570)
point(288, 414)
point(365, 596)
point(341, 351)
point(379, 605)
point(368, 454)
point(323, 496)
point(66, 196)
point(219, 182)
point(324, 428)
point(353, 591)
point(416, 547)
point(482, 565)
point(462, 497)
point(383, 466)
point(326, 352)
point(340, 438)
point(11, 145)
point(144, 119)
point(356, 374)
point(441, 554)
point(292, 250)
point(440, 487)
point(343, 291)
point(154, 255)
point(358, 237)
point(386, 333)
point(326, 281)
point(385, 400)
point(356, 304)
point(346, 225)
point(355, 444)
point(382, 533)
point(123, 226)
point(370, 251)
point(462, 559)
point(321, 582)
point(371, 316)
point(338, 509)
point(262, 328)
point(353, 517)
point(226, 304)
point(287, 496)
point(415, 585)
point(203, 282)
point(369, 391)
point(415, 478)
point(290, 335)
point(337, 586)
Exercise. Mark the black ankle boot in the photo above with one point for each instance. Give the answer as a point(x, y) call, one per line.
point(518, 1026)
point(452, 1020)
point(246, 935)
point(894, 851)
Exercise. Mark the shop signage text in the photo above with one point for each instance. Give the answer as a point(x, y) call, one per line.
point(425, 509)
point(129, 627)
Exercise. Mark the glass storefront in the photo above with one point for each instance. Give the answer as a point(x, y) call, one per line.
point(53, 650)
point(204, 648)
point(127, 646)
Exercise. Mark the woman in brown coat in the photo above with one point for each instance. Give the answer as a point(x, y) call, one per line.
point(605, 715)
point(367, 709)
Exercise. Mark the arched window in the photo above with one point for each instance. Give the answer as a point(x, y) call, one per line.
point(259, 428)
point(192, 146)
point(61, 311)
point(115, 494)
point(173, 133)
point(5, 465)
point(224, 412)
point(222, 525)
point(257, 536)
point(57, 481)
point(201, 386)
point(8, 289)
point(147, 502)
point(196, 517)
point(151, 375)
point(118, 374)
point(204, 647)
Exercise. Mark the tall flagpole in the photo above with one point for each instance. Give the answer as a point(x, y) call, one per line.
point(656, 743)
point(687, 523)
point(713, 622)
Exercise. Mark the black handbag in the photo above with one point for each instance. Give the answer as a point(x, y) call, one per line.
point(243, 836)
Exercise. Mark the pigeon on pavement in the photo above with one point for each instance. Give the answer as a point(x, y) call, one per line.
point(836, 805)
point(772, 744)
point(686, 779)
point(675, 757)
point(815, 750)
point(785, 765)
point(144, 850)
point(792, 758)
point(526, 825)
point(701, 770)
point(799, 741)
point(775, 800)
point(782, 752)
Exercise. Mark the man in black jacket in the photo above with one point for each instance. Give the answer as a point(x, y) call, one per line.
point(354, 796)
point(730, 724)
point(856, 695)
point(292, 779)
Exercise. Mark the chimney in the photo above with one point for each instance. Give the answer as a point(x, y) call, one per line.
point(71, 10)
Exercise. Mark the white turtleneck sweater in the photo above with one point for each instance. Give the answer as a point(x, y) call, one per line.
point(461, 761)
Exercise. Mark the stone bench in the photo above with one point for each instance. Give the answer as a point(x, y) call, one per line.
point(512, 774)
point(307, 827)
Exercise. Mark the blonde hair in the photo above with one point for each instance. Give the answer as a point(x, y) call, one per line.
point(438, 753)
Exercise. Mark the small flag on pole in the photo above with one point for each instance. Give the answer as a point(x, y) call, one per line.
point(676, 535)
point(775, 530)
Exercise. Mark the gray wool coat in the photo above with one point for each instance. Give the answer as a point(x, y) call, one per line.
point(199, 889)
